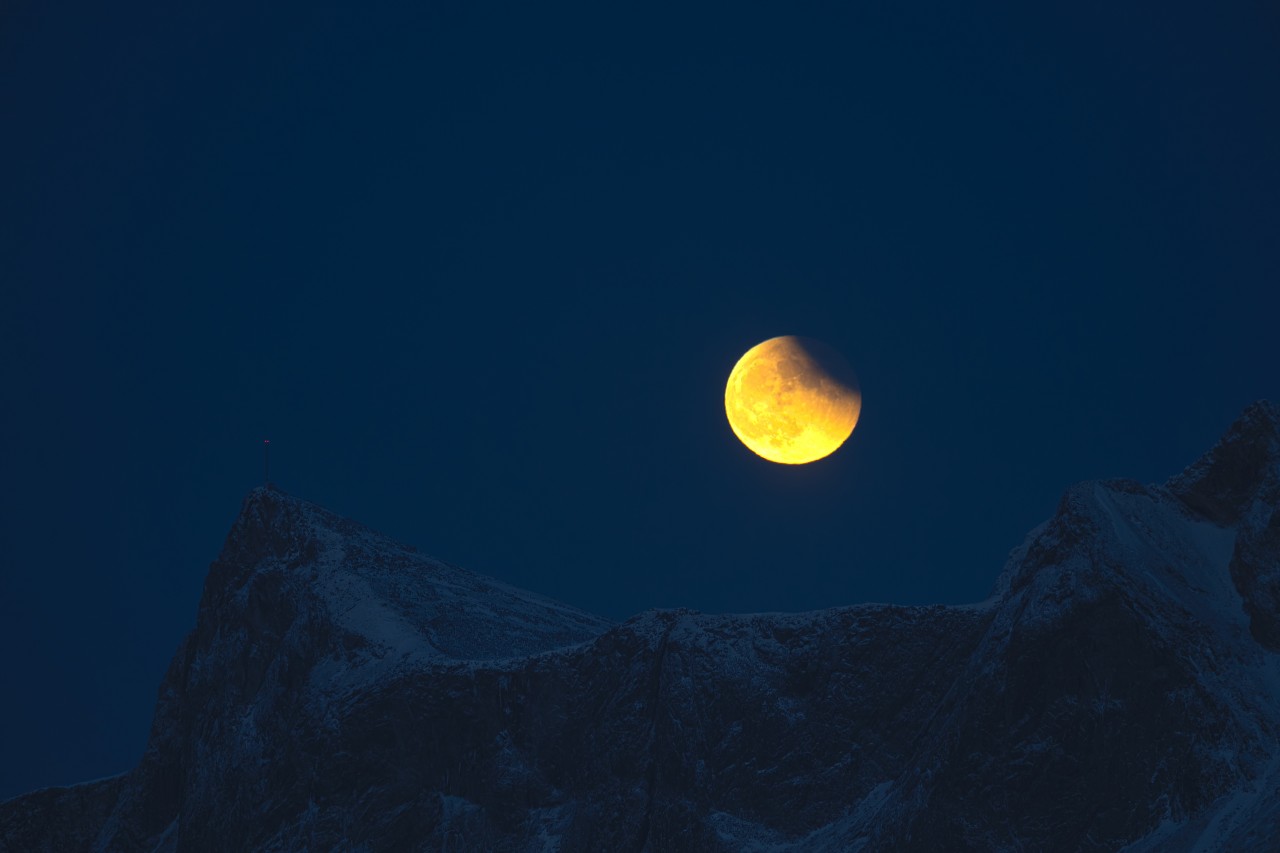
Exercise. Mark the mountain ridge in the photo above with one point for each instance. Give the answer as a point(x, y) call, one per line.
point(1118, 688)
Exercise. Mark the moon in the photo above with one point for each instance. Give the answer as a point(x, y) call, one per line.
point(792, 400)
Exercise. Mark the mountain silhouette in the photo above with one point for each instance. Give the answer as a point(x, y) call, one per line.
point(1120, 689)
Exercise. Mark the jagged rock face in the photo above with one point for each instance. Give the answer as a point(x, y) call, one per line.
point(1225, 484)
point(1238, 483)
point(340, 691)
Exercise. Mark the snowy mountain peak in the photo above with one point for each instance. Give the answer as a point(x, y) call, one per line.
point(348, 607)
point(274, 527)
point(1243, 467)
point(1204, 540)
point(275, 524)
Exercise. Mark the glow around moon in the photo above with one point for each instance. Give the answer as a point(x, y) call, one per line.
point(792, 400)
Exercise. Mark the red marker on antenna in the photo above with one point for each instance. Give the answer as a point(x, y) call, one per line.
point(266, 462)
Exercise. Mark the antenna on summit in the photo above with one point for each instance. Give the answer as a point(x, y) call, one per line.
point(266, 462)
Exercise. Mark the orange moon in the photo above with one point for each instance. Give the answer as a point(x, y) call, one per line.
point(792, 400)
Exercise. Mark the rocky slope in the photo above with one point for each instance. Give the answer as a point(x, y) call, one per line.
point(1121, 689)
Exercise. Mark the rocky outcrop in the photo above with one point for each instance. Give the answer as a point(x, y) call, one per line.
point(340, 691)
point(1238, 483)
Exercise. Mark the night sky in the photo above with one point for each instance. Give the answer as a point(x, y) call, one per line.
point(480, 275)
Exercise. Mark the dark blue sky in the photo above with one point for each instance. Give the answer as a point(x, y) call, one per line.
point(480, 274)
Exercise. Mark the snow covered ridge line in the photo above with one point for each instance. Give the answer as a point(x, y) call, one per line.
point(1237, 468)
point(393, 606)
point(1120, 689)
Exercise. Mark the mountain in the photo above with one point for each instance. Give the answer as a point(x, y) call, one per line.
point(1119, 690)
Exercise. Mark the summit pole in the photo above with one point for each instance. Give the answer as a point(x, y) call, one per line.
point(266, 462)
